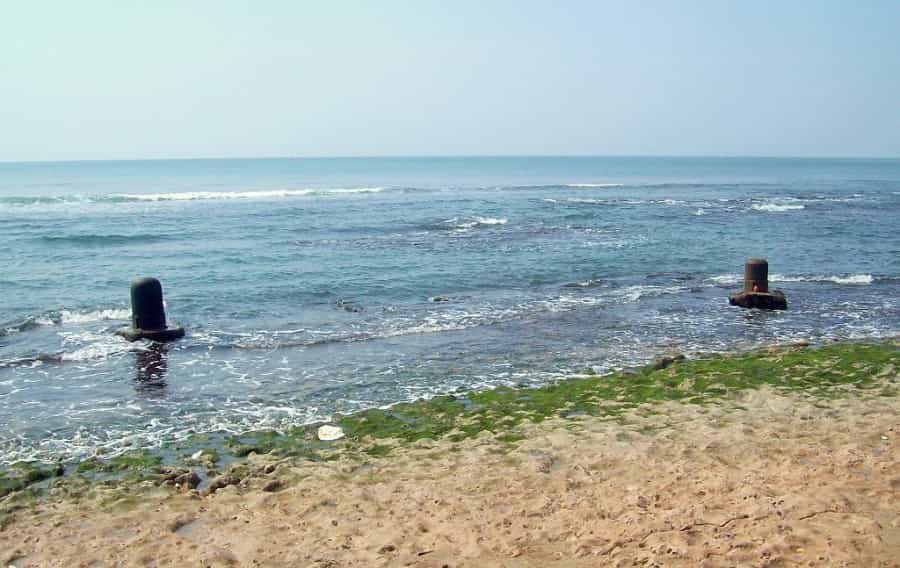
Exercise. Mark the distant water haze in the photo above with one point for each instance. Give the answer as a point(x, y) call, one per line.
point(314, 286)
point(204, 78)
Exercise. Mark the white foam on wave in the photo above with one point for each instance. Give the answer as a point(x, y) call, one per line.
point(584, 284)
point(590, 185)
point(90, 346)
point(853, 279)
point(637, 292)
point(61, 317)
point(611, 239)
point(464, 223)
point(776, 207)
point(859, 279)
point(457, 319)
point(449, 318)
point(69, 316)
point(593, 201)
point(856, 279)
point(726, 279)
point(434, 325)
point(617, 201)
point(586, 200)
point(627, 295)
point(821, 197)
point(111, 439)
point(490, 221)
point(226, 195)
point(352, 190)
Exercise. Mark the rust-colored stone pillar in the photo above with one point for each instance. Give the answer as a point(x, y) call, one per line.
point(756, 275)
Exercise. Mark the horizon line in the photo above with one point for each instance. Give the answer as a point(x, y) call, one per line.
point(451, 156)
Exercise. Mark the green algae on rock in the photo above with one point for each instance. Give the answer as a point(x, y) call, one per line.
point(23, 474)
point(134, 462)
point(827, 372)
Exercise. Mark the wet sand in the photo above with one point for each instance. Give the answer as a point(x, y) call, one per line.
point(761, 479)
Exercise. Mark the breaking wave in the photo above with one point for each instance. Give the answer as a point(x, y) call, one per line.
point(265, 194)
point(469, 222)
point(61, 317)
point(854, 279)
point(22, 201)
point(846, 279)
point(70, 316)
point(590, 185)
point(776, 207)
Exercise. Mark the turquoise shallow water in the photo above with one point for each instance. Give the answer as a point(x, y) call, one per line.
point(314, 286)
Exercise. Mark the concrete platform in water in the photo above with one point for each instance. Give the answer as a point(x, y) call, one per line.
point(773, 300)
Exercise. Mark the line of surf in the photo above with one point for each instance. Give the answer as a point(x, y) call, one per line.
point(228, 195)
point(846, 279)
point(262, 194)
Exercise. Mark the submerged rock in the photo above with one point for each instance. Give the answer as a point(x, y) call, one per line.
point(666, 361)
point(773, 300)
point(349, 306)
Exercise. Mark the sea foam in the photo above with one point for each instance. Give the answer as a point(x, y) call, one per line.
point(52, 318)
point(857, 279)
point(591, 185)
point(862, 279)
point(70, 316)
point(225, 195)
point(776, 207)
point(464, 223)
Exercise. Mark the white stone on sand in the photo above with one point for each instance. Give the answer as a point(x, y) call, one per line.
point(328, 433)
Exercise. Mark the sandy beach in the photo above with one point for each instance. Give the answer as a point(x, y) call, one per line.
point(764, 478)
point(449, 284)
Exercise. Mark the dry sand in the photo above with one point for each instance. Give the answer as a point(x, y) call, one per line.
point(776, 481)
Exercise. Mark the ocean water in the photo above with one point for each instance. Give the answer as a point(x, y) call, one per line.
point(315, 286)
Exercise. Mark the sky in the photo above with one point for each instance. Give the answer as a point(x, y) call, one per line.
point(123, 79)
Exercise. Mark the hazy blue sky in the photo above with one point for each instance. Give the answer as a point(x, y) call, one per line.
point(126, 79)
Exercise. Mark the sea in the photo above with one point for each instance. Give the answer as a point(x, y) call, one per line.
point(310, 287)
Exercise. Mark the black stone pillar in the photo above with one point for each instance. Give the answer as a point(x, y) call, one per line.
point(148, 313)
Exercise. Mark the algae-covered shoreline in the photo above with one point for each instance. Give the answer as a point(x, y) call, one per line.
point(781, 456)
point(208, 462)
